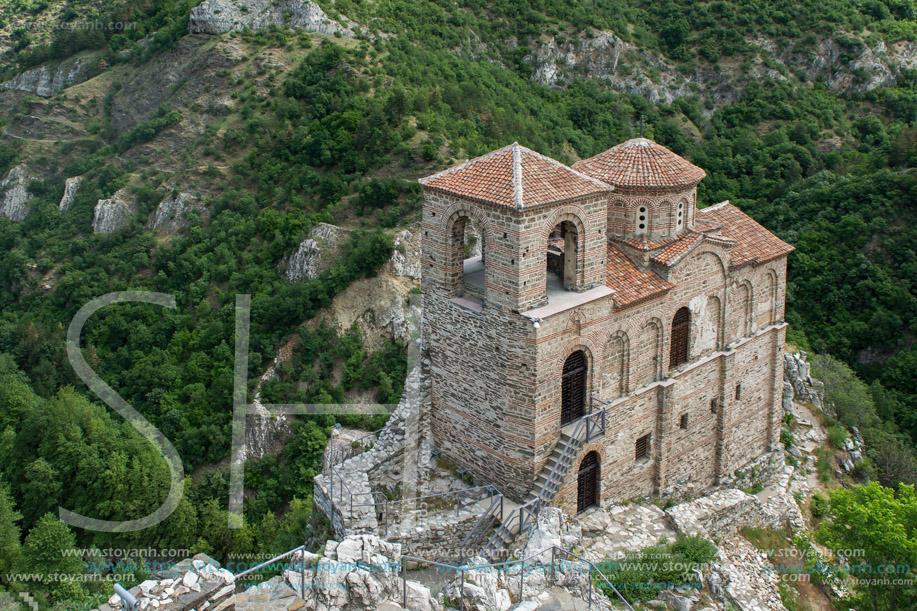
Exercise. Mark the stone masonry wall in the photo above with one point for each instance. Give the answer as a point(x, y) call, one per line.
point(725, 429)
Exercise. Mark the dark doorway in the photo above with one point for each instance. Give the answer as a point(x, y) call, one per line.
point(680, 327)
point(573, 388)
point(587, 483)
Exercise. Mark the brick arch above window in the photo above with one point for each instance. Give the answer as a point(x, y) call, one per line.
point(460, 210)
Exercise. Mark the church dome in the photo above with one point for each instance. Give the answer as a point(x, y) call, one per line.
point(641, 164)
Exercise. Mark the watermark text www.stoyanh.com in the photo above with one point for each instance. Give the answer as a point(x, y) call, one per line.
point(242, 409)
point(78, 26)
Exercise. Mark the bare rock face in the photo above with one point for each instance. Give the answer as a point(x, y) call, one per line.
point(14, 194)
point(70, 188)
point(406, 258)
point(315, 253)
point(169, 215)
point(221, 16)
point(113, 214)
point(304, 262)
point(44, 82)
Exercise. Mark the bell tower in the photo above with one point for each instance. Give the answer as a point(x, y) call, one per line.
point(502, 234)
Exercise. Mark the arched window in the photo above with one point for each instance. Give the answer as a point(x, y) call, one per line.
point(642, 220)
point(470, 253)
point(573, 388)
point(678, 353)
point(587, 482)
point(562, 245)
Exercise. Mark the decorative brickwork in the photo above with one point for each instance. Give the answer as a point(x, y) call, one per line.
point(497, 355)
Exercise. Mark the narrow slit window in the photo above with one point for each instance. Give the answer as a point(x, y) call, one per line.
point(738, 391)
point(684, 421)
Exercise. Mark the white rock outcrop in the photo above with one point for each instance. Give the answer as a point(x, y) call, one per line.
point(406, 258)
point(316, 252)
point(14, 194)
point(113, 214)
point(70, 188)
point(304, 262)
point(43, 81)
point(221, 16)
point(358, 573)
point(169, 215)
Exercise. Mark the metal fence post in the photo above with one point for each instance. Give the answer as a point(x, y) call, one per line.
point(302, 577)
point(552, 565)
point(589, 585)
point(404, 582)
point(522, 580)
point(462, 590)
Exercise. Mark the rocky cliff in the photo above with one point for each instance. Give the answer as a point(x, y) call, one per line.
point(14, 194)
point(170, 215)
point(45, 81)
point(71, 186)
point(315, 253)
point(221, 16)
point(113, 214)
point(627, 68)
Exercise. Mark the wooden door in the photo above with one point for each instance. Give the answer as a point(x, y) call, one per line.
point(678, 353)
point(587, 483)
point(573, 388)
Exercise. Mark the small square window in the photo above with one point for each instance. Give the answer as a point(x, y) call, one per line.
point(738, 391)
point(642, 447)
point(684, 421)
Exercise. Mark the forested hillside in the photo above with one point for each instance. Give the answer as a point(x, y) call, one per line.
point(803, 114)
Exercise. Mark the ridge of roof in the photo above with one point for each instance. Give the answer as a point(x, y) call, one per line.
point(515, 176)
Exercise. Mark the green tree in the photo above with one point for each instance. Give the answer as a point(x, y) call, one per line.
point(9, 531)
point(882, 526)
point(50, 549)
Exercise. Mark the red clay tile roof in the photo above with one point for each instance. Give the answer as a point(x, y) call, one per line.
point(677, 249)
point(753, 243)
point(630, 283)
point(641, 242)
point(641, 164)
point(516, 177)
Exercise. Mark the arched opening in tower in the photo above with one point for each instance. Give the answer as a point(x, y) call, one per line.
point(470, 240)
point(561, 262)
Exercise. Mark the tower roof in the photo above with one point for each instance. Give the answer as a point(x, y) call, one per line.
point(641, 164)
point(515, 177)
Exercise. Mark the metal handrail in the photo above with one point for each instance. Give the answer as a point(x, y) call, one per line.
point(329, 456)
point(462, 567)
point(470, 537)
point(533, 507)
point(600, 573)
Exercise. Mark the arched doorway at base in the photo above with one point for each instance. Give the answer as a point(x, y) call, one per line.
point(587, 482)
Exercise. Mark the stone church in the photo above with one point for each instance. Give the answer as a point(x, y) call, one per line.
point(593, 335)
